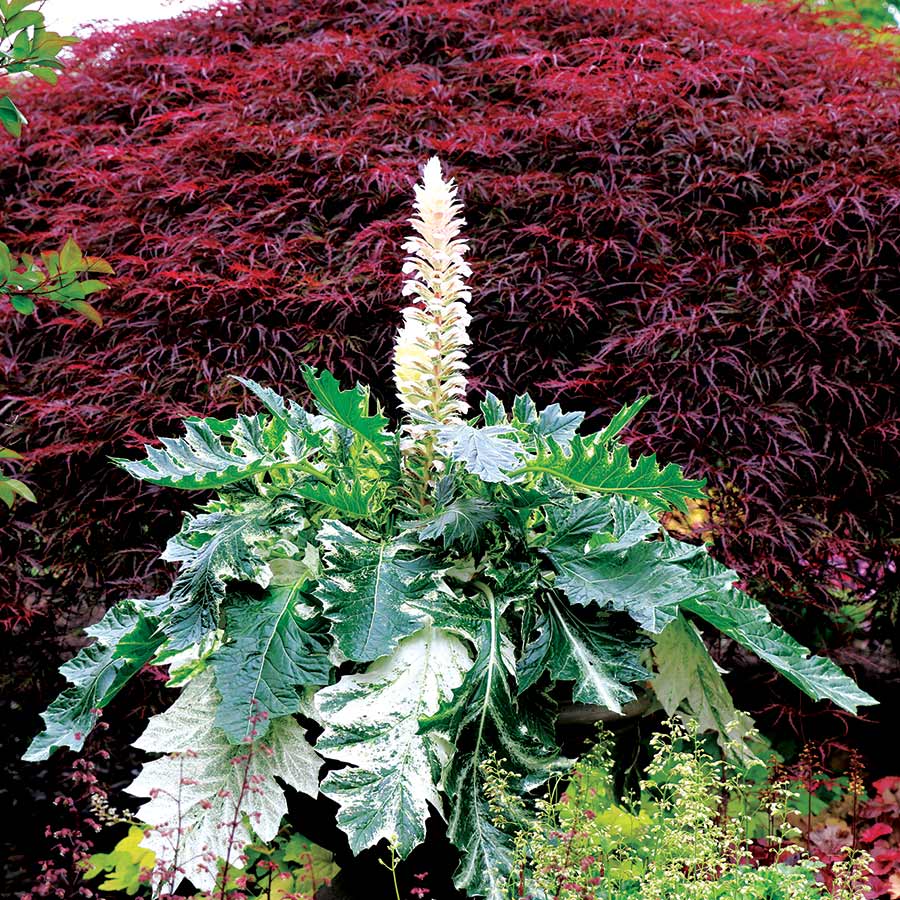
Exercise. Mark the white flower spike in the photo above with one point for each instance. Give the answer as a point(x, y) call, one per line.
point(429, 358)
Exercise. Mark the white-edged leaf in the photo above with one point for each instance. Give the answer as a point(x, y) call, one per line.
point(459, 522)
point(586, 648)
point(194, 791)
point(212, 549)
point(270, 652)
point(748, 622)
point(369, 589)
point(372, 722)
point(483, 451)
point(124, 641)
point(485, 718)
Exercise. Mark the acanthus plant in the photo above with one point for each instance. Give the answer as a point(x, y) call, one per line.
point(428, 594)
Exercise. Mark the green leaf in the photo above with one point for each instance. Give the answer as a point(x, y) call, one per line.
point(197, 788)
point(554, 423)
point(601, 659)
point(9, 487)
point(82, 307)
point(689, 680)
point(748, 622)
point(200, 460)
point(16, 6)
point(126, 639)
point(27, 18)
point(524, 410)
point(22, 304)
point(70, 257)
point(10, 117)
point(97, 265)
point(592, 468)
point(481, 450)
point(370, 590)
point(269, 653)
point(349, 408)
point(372, 722)
point(45, 73)
point(212, 548)
point(630, 526)
point(484, 719)
point(459, 522)
point(634, 581)
point(622, 418)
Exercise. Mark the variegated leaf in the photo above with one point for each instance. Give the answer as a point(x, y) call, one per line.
point(372, 722)
point(206, 794)
point(587, 648)
point(370, 590)
point(270, 653)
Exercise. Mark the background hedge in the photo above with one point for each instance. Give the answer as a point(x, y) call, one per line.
point(700, 201)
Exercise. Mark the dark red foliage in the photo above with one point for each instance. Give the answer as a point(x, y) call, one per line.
point(700, 201)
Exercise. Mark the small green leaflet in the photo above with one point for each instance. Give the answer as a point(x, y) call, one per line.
point(372, 722)
point(688, 679)
point(459, 522)
point(270, 652)
point(125, 639)
point(370, 589)
point(349, 408)
point(592, 468)
point(588, 649)
point(552, 422)
point(484, 717)
point(196, 789)
point(482, 451)
point(200, 460)
point(212, 548)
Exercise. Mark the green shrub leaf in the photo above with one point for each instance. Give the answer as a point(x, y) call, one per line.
point(200, 460)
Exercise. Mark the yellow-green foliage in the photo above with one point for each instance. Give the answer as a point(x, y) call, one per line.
point(290, 868)
point(124, 864)
point(687, 837)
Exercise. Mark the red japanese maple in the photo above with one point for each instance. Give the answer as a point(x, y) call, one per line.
point(695, 200)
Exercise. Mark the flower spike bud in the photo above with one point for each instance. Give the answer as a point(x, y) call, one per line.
point(430, 355)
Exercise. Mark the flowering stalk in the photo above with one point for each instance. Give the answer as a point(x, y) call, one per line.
point(429, 359)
